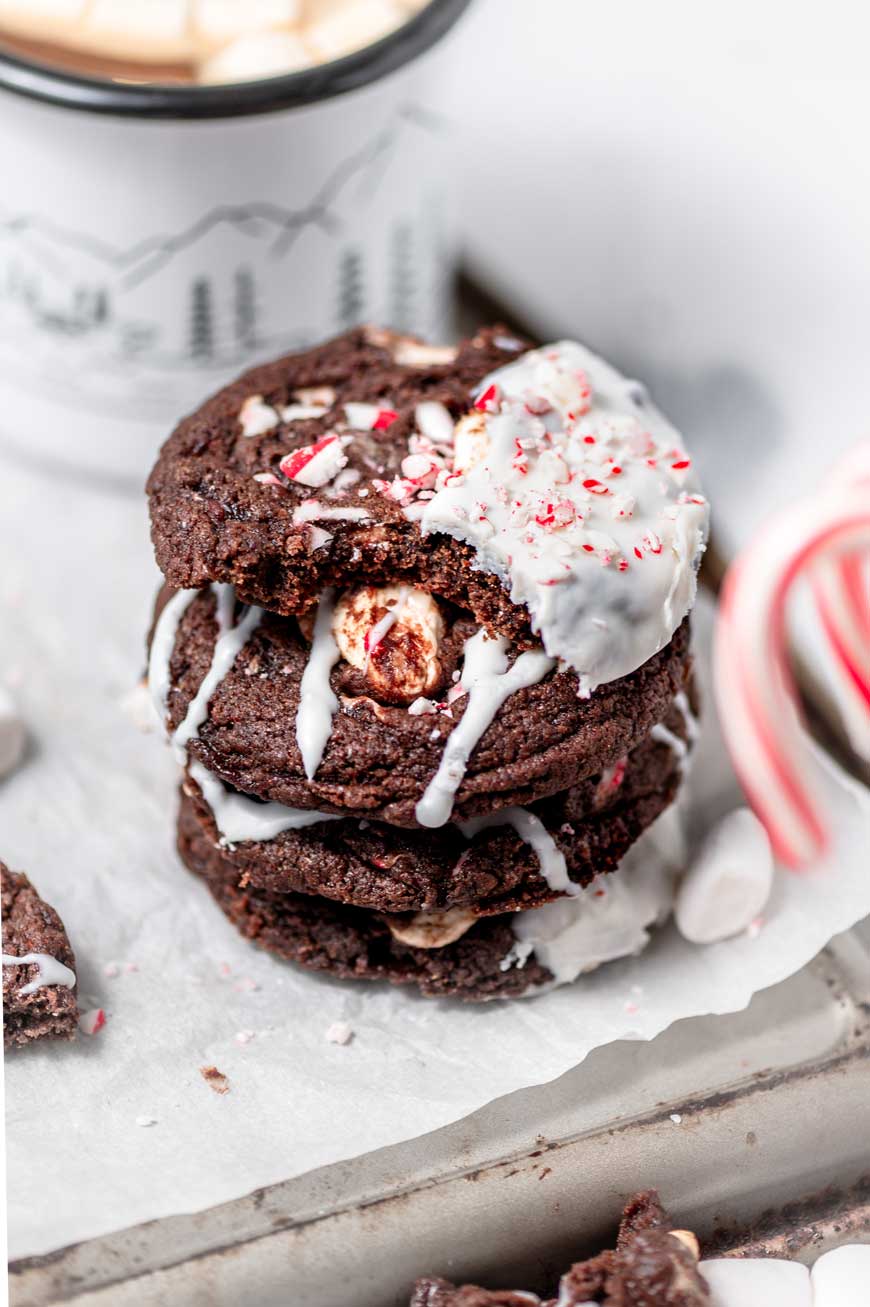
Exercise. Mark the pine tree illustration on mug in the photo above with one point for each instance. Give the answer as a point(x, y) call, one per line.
point(351, 288)
point(201, 320)
point(245, 304)
point(402, 278)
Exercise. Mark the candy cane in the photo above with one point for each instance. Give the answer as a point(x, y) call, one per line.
point(826, 538)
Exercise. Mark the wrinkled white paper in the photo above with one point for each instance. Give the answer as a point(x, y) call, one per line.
point(90, 818)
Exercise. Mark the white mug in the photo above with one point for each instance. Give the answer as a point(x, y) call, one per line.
point(155, 241)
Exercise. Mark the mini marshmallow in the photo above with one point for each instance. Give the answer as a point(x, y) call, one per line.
point(841, 1278)
point(412, 354)
point(259, 54)
point(759, 1282)
point(729, 881)
point(412, 623)
point(218, 21)
point(353, 25)
point(13, 734)
point(255, 417)
point(160, 27)
point(432, 929)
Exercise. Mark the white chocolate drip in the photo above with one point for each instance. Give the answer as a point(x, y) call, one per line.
point(162, 644)
point(489, 683)
point(664, 735)
point(610, 918)
point(581, 499)
point(533, 832)
point(51, 972)
point(317, 702)
point(238, 817)
point(230, 642)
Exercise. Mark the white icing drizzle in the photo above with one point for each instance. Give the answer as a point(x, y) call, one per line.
point(231, 640)
point(51, 972)
point(238, 817)
point(693, 726)
point(317, 703)
point(162, 644)
point(663, 735)
point(582, 501)
point(489, 683)
point(533, 832)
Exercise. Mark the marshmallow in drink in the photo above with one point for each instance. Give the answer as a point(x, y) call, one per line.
point(758, 1282)
point(729, 881)
point(351, 26)
point(258, 54)
point(218, 21)
point(13, 734)
point(121, 29)
point(841, 1278)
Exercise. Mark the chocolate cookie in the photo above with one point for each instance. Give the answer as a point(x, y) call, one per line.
point(536, 489)
point(352, 944)
point(651, 1266)
point(387, 869)
point(395, 711)
point(213, 520)
point(38, 966)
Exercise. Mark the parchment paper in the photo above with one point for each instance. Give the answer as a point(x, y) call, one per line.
point(90, 818)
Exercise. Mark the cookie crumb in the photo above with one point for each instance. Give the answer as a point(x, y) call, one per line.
point(111, 970)
point(215, 1079)
point(146, 1120)
point(339, 1033)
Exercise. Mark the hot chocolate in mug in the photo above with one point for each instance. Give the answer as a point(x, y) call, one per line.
point(157, 240)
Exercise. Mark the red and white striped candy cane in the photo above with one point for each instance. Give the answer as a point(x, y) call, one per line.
point(826, 539)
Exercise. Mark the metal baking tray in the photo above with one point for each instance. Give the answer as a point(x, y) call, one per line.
point(753, 1127)
point(769, 1152)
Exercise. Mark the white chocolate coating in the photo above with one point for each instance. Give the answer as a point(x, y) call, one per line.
point(239, 817)
point(609, 919)
point(581, 498)
point(532, 831)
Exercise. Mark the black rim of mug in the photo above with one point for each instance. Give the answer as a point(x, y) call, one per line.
point(240, 99)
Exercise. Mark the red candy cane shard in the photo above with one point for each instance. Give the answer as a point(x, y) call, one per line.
point(757, 699)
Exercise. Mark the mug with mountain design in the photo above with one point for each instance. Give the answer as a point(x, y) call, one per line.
point(157, 239)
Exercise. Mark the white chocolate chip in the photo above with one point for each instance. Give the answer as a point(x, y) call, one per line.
point(316, 396)
point(257, 417)
point(412, 354)
point(729, 881)
point(13, 734)
point(431, 929)
point(392, 634)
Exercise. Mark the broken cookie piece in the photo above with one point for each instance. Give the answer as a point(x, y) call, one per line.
point(39, 1000)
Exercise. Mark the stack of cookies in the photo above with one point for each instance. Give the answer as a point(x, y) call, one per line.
point(423, 653)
